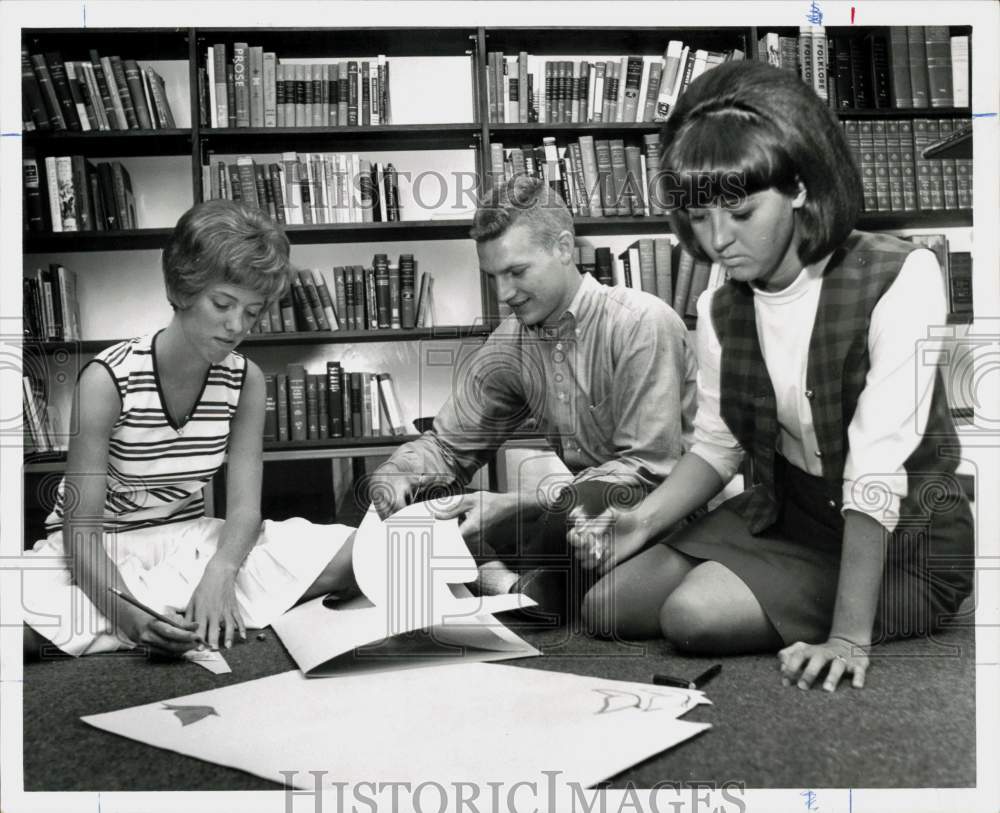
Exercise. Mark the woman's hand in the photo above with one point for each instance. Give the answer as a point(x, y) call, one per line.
point(144, 630)
point(802, 663)
point(478, 512)
point(213, 605)
point(604, 541)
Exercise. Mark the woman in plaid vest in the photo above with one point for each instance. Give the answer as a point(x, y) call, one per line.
point(855, 529)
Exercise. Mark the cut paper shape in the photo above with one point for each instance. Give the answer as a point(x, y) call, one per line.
point(210, 659)
point(415, 609)
point(468, 723)
point(191, 714)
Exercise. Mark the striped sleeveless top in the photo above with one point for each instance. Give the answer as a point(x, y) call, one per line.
point(156, 468)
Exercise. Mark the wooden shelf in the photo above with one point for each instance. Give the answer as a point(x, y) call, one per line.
point(345, 43)
point(586, 226)
point(336, 443)
point(440, 333)
point(572, 129)
point(320, 139)
point(134, 43)
point(941, 219)
point(109, 143)
point(375, 232)
point(611, 40)
point(903, 113)
point(132, 240)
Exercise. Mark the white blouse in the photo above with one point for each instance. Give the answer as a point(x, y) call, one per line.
point(892, 409)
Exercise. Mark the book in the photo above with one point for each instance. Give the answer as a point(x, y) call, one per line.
point(282, 406)
point(335, 404)
point(390, 401)
point(960, 282)
point(682, 282)
point(270, 408)
point(296, 377)
point(34, 208)
point(937, 41)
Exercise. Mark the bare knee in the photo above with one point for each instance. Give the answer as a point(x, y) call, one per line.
point(686, 622)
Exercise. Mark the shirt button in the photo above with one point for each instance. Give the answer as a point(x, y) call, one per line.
point(558, 358)
point(559, 346)
point(818, 453)
point(809, 393)
point(832, 503)
point(559, 378)
point(562, 397)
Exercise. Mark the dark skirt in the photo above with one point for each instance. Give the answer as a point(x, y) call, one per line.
point(792, 567)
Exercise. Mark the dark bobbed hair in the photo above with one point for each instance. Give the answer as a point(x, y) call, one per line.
point(743, 127)
point(522, 199)
point(225, 241)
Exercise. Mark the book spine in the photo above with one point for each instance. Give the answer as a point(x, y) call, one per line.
point(282, 406)
point(325, 300)
point(916, 44)
point(662, 258)
point(312, 298)
point(602, 266)
point(81, 99)
point(334, 398)
point(115, 93)
point(133, 81)
point(34, 103)
point(899, 59)
point(619, 171)
point(937, 41)
point(34, 209)
point(312, 406)
point(647, 266)
point(50, 100)
point(908, 166)
point(81, 196)
point(635, 180)
point(682, 283)
point(256, 55)
point(269, 83)
point(867, 165)
point(59, 82)
point(881, 162)
point(118, 70)
point(241, 87)
point(893, 154)
point(270, 407)
point(297, 402)
point(605, 172)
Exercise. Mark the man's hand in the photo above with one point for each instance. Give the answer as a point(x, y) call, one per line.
point(390, 489)
point(482, 510)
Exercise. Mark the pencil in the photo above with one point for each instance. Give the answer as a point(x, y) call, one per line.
point(158, 616)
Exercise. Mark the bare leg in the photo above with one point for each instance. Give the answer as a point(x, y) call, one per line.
point(626, 602)
point(337, 577)
point(714, 612)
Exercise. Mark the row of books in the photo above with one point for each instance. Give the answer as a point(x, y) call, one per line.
point(301, 405)
point(895, 177)
point(51, 310)
point(384, 296)
point(596, 177)
point(525, 88)
point(956, 266)
point(40, 418)
point(246, 86)
point(912, 66)
point(107, 93)
point(658, 267)
point(69, 193)
point(310, 188)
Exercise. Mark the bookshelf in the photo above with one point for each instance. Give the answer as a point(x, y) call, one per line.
point(446, 129)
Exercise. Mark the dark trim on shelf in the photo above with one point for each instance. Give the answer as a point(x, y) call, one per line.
point(438, 333)
point(371, 232)
point(654, 224)
point(938, 218)
point(110, 143)
point(336, 443)
point(312, 139)
point(903, 112)
point(131, 240)
point(576, 128)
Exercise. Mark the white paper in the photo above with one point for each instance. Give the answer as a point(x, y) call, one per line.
point(474, 723)
point(416, 610)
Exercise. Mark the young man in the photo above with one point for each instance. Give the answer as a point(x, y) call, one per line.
point(606, 374)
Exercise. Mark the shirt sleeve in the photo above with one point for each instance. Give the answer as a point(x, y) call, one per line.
point(652, 396)
point(894, 406)
point(485, 407)
point(713, 442)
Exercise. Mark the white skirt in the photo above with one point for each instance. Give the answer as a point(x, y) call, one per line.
point(162, 566)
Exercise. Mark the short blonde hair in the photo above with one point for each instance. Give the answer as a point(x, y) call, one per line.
point(225, 241)
point(522, 199)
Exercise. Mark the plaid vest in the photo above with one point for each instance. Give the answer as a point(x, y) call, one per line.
point(856, 277)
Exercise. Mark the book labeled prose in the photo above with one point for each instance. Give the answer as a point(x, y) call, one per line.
point(398, 621)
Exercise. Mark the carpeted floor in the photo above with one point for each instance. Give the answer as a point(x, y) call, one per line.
point(913, 726)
